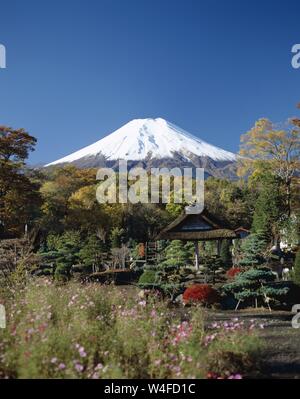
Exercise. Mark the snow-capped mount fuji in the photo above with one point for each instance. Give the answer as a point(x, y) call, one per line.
point(152, 143)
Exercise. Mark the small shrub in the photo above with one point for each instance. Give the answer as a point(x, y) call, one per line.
point(148, 277)
point(62, 272)
point(233, 271)
point(203, 293)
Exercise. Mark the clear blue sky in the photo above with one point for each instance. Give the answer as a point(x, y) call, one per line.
point(79, 69)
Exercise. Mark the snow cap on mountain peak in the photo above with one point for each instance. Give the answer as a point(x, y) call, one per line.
point(143, 138)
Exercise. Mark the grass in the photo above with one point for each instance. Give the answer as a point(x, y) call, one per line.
point(94, 331)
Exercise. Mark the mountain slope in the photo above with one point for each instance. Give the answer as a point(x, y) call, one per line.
point(151, 142)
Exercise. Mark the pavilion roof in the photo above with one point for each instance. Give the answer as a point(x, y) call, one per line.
point(202, 226)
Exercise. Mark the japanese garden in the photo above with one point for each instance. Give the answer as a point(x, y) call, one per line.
point(151, 290)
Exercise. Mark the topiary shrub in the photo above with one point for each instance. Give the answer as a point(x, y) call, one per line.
point(62, 272)
point(253, 285)
point(148, 277)
point(170, 282)
point(233, 271)
point(201, 293)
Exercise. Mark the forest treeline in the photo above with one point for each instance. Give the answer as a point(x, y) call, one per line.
point(51, 202)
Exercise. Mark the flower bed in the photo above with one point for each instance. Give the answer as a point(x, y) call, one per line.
point(92, 331)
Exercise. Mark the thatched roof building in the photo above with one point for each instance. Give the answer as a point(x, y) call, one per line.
point(197, 224)
point(197, 227)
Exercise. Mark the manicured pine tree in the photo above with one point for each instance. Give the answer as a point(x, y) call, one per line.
point(252, 250)
point(168, 273)
point(225, 254)
point(254, 284)
point(211, 264)
point(63, 251)
point(176, 255)
point(90, 254)
point(190, 248)
point(269, 207)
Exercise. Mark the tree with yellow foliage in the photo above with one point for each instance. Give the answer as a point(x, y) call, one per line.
point(267, 148)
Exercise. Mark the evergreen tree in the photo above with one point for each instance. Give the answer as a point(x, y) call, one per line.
point(176, 255)
point(63, 251)
point(209, 248)
point(252, 250)
point(117, 237)
point(254, 284)
point(268, 210)
point(211, 265)
point(190, 248)
point(168, 275)
point(90, 254)
point(225, 254)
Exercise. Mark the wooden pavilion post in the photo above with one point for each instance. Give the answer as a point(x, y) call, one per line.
point(219, 243)
point(196, 254)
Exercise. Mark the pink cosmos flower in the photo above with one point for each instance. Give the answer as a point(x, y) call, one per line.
point(235, 377)
point(78, 367)
point(82, 352)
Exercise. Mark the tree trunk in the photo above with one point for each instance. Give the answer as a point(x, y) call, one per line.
point(196, 255)
point(288, 197)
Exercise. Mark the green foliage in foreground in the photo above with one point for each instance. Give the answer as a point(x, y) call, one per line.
point(92, 331)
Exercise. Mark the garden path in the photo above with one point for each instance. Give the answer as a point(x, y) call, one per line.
point(281, 353)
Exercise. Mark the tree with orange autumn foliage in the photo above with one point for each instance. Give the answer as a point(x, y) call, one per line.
point(19, 197)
